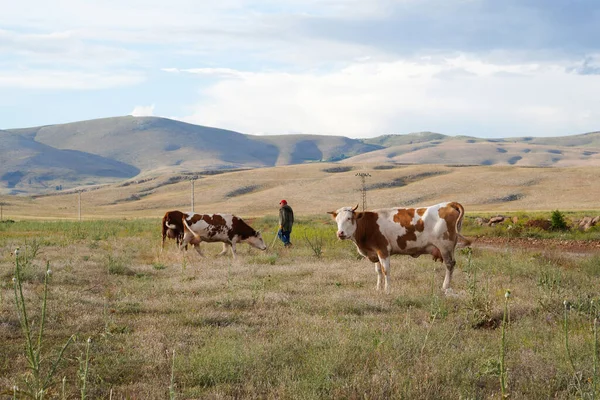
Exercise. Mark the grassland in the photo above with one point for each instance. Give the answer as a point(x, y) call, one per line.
point(313, 189)
point(295, 323)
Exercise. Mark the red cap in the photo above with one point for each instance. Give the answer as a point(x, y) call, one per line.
point(283, 202)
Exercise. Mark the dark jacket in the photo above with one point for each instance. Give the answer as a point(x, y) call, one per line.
point(286, 218)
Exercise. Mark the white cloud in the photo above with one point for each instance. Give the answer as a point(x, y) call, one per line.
point(143, 111)
point(368, 99)
point(218, 72)
point(67, 80)
point(350, 67)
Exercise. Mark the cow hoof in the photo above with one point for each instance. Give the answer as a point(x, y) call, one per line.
point(450, 293)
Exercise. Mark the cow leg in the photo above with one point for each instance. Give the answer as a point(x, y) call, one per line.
point(224, 251)
point(233, 249)
point(450, 263)
point(384, 263)
point(197, 248)
point(379, 275)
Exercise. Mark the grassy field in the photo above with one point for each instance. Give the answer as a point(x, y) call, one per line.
point(297, 323)
point(320, 187)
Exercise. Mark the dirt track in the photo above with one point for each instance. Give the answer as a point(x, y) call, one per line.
point(571, 246)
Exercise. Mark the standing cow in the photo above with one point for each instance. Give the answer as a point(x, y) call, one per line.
point(380, 233)
point(172, 227)
point(225, 228)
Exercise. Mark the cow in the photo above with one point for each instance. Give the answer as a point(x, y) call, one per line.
point(225, 228)
point(378, 234)
point(172, 227)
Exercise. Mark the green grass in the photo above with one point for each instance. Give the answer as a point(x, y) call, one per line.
point(290, 325)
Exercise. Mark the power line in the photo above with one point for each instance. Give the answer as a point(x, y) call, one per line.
point(363, 177)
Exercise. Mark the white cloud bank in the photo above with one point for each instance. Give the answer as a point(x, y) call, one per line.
point(67, 80)
point(143, 111)
point(369, 99)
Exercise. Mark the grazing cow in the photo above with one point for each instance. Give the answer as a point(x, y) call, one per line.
point(380, 233)
point(172, 227)
point(225, 228)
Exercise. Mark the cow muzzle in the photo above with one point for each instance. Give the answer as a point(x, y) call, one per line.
point(341, 235)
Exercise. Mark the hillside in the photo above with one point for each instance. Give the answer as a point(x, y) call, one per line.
point(36, 160)
point(151, 146)
point(27, 165)
point(474, 151)
point(318, 188)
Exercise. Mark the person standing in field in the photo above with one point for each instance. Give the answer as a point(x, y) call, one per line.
point(286, 220)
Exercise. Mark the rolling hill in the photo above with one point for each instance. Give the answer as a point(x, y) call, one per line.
point(27, 165)
point(579, 150)
point(315, 188)
point(38, 159)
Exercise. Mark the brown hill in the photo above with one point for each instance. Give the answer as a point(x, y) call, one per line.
point(106, 150)
point(318, 188)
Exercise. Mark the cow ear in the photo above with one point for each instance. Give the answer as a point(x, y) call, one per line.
point(354, 209)
point(333, 213)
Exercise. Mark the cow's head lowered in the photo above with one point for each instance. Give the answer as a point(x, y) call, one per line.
point(346, 221)
point(256, 241)
point(246, 233)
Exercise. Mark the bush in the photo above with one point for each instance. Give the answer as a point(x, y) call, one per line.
point(558, 222)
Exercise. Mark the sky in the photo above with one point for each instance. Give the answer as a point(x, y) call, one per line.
point(356, 68)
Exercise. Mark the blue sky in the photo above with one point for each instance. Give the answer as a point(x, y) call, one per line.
point(482, 68)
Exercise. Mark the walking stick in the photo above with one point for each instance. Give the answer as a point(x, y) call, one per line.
point(274, 239)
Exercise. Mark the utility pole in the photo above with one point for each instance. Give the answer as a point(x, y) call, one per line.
point(192, 194)
point(363, 176)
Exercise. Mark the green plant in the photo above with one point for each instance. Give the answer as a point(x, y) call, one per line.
point(40, 380)
point(503, 371)
point(83, 369)
point(316, 244)
point(158, 266)
point(557, 221)
point(576, 374)
point(479, 304)
point(116, 266)
point(172, 385)
point(595, 378)
point(550, 288)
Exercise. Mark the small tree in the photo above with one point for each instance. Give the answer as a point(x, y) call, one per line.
point(558, 222)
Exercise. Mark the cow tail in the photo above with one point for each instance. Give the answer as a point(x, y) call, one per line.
point(461, 213)
point(164, 230)
point(186, 226)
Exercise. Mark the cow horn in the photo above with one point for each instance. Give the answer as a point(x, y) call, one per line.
point(354, 209)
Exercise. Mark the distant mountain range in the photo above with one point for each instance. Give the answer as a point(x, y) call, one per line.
point(57, 157)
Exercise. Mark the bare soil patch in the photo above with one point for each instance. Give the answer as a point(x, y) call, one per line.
point(569, 246)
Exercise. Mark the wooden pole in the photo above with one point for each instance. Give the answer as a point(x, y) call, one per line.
point(192, 195)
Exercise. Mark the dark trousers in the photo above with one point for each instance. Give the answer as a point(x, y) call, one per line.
point(284, 236)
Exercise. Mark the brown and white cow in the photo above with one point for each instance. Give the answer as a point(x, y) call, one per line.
point(172, 227)
point(378, 234)
point(225, 228)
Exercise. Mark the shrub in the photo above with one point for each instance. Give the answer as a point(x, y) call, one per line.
point(558, 222)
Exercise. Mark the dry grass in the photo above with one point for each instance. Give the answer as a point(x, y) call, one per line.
point(312, 191)
point(285, 324)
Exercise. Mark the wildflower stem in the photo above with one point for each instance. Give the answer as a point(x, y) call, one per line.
point(172, 386)
point(566, 328)
point(85, 370)
point(595, 379)
point(503, 387)
point(43, 319)
point(22, 313)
